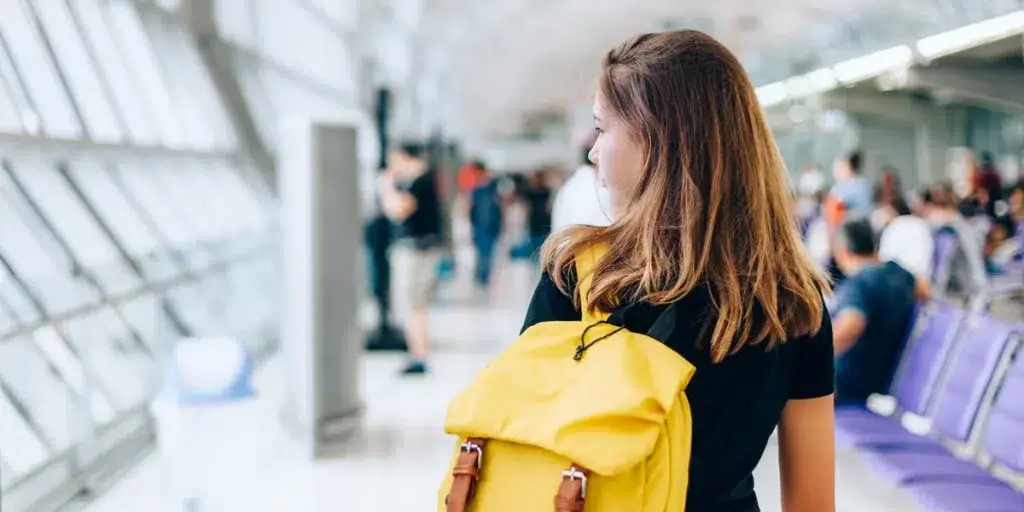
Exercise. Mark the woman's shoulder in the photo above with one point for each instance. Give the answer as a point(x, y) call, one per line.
point(795, 345)
point(550, 303)
point(801, 367)
point(566, 277)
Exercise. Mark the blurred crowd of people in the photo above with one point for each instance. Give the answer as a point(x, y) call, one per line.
point(551, 199)
point(485, 199)
point(888, 249)
point(522, 208)
point(983, 221)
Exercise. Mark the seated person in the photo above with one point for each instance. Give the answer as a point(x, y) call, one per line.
point(1001, 246)
point(871, 314)
point(961, 272)
point(1016, 214)
point(906, 239)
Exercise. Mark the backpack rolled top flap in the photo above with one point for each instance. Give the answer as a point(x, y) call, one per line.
point(547, 426)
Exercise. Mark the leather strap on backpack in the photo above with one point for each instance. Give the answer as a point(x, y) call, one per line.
point(465, 475)
point(572, 492)
point(571, 496)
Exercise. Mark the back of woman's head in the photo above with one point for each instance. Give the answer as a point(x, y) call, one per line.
point(706, 204)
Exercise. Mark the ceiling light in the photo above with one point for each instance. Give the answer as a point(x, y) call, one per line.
point(874, 64)
point(969, 36)
point(772, 94)
point(814, 82)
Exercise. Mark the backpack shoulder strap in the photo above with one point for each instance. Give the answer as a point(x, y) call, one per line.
point(665, 325)
point(586, 261)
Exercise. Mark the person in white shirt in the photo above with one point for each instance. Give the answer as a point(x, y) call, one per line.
point(581, 200)
point(906, 239)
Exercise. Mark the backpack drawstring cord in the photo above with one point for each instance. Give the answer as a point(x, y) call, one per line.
point(584, 345)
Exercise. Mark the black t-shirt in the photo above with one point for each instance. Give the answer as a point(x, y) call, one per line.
point(736, 404)
point(424, 225)
point(884, 295)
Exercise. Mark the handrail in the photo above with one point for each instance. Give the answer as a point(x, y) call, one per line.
point(20, 143)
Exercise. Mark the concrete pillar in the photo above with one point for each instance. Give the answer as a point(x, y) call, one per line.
point(321, 239)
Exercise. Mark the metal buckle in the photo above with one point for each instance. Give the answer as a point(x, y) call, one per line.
point(468, 447)
point(575, 474)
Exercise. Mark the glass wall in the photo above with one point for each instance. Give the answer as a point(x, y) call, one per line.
point(152, 229)
point(999, 134)
point(280, 75)
point(816, 138)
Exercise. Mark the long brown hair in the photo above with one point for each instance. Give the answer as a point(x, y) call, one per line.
point(713, 203)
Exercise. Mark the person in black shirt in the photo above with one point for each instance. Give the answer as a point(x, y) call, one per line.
point(538, 198)
point(704, 221)
point(871, 313)
point(409, 197)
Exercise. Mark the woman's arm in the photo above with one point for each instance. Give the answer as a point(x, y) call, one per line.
point(806, 429)
point(807, 457)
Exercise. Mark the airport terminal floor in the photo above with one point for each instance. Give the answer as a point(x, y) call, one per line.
point(401, 454)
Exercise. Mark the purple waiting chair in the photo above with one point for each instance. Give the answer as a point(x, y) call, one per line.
point(1004, 432)
point(1002, 442)
point(922, 363)
point(980, 355)
point(967, 497)
point(919, 315)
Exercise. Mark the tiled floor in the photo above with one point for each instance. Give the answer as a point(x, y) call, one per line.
point(399, 458)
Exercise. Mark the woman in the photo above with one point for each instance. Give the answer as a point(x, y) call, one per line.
point(704, 220)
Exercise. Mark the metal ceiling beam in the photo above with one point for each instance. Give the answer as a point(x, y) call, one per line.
point(999, 88)
point(871, 30)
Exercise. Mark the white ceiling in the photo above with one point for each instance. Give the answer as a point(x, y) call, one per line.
point(487, 62)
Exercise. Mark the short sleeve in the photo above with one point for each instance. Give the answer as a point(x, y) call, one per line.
point(850, 297)
point(812, 373)
point(422, 188)
point(549, 304)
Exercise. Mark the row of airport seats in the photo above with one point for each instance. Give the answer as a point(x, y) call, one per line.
point(961, 378)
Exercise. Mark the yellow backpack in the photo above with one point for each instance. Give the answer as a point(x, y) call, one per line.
point(572, 413)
